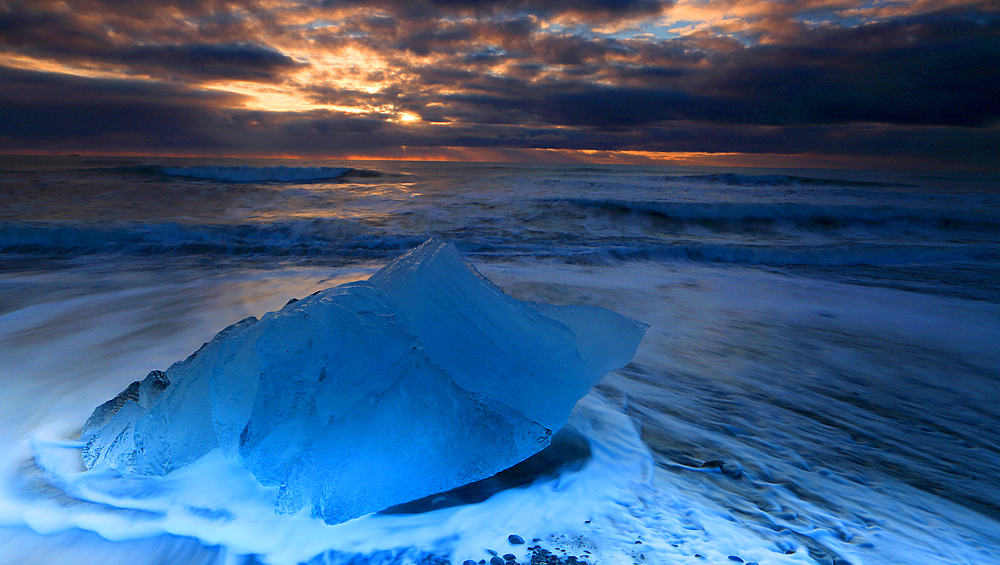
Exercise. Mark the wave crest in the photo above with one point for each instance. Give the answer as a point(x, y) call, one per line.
point(735, 179)
point(307, 238)
point(739, 216)
point(256, 174)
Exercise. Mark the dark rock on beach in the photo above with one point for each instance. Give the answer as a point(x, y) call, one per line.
point(541, 556)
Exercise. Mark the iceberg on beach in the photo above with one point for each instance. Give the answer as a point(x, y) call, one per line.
point(423, 378)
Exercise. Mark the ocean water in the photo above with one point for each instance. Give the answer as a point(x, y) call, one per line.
point(820, 382)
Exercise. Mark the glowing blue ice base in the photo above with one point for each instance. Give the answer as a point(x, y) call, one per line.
point(424, 378)
point(711, 381)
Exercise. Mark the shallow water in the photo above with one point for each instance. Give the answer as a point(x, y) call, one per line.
point(808, 408)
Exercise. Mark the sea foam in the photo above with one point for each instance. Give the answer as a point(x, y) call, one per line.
point(424, 378)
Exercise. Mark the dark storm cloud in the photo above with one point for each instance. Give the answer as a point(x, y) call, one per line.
point(43, 110)
point(23, 86)
point(57, 33)
point(233, 61)
point(66, 36)
point(436, 40)
point(608, 9)
point(930, 70)
point(509, 73)
point(918, 71)
point(47, 112)
point(933, 146)
point(574, 50)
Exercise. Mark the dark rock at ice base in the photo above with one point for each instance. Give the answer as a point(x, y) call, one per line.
point(421, 379)
point(568, 451)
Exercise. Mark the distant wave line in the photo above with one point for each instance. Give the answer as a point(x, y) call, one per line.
point(244, 173)
point(257, 174)
point(735, 179)
point(801, 215)
point(347, 240)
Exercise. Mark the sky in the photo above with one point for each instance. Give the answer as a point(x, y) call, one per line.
point(825, 83)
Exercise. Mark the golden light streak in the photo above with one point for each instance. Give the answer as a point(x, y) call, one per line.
point(28, 63)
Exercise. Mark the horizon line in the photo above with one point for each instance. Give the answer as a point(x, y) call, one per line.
point(535, 156)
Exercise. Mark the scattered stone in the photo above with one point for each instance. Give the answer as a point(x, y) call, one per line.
point(638, 542)
point(586, 521)
point(536, 540)
point(509, 557)
point(468, 562)
point(496, 561)
point(735, 558)
point(699, 556)
point(515, 539)
point(491, 552)
point(544, 557)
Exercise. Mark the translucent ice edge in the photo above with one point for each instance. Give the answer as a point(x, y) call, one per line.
point(917, 527)
point(424, 378)
point(604, 507)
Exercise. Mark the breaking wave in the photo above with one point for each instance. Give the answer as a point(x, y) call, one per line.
point(336, 238)
point(734, 179)
point(353, 241)
point(790, 256)
point(741, 217)
point(600, 470)
point(256, 174)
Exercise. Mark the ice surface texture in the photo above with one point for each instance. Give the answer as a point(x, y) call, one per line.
point(424, 378)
